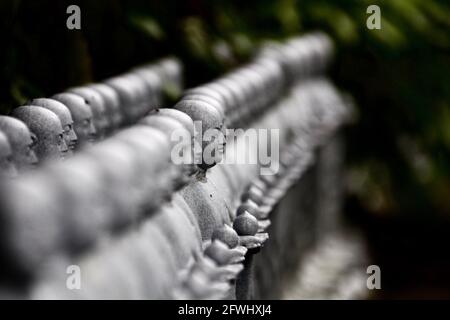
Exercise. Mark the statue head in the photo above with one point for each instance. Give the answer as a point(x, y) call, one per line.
point(212, 126)
point(188, 124)
point(22, 141)
point(180, 142)
point(97, 104)
point(64, 116)
point(129, 96)
point(151, 150)
point(81, 115)
point(112, 105)
point(206, 91)
point(47, 128)
point(153, 87)
point(7, 167)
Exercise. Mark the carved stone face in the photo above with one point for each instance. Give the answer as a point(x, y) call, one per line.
point(212, 126)
point(112, 105)
point(7, 167)
point(81, 115)
point(97, 104)
point(47, 128)
point(22, 142)
point(64, 116)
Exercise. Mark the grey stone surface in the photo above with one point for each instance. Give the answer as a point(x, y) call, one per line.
point(47, 128)
point(112, 105)
point(22, 141)
point(82, 116)
point(210, 119)
point(97, 104)
point(64, 116)
point(7, 167)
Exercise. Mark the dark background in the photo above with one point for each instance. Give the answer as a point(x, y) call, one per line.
point(398, 184)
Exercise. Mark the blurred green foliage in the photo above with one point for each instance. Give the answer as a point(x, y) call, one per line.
point(400, 75)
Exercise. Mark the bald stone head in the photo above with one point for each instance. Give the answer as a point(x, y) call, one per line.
point(213, 130)
point(81, 115)
point(64, 116)
point(22, 141)
point(112, 105)
point(181, 145)
point(48, 130)
point(7, 167)
point(97, 104)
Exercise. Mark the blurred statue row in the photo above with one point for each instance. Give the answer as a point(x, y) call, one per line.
point(137, 224)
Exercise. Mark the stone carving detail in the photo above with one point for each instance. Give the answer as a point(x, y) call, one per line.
point(121, 208)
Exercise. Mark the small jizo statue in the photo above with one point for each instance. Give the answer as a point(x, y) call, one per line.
point(48, 130)
point(64, 116)
point(22, 141)
point(82, 117)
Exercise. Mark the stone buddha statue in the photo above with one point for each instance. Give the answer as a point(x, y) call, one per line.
point(128, 95)
point(213, 138)
point(48, 130)
point(81, 115)
point(151, 151)
point(112, 105)
point(64, 116)
point(181, 148)
point(97, 104)
point(22, 141)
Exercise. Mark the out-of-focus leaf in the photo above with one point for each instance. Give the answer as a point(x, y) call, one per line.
point(148, 25)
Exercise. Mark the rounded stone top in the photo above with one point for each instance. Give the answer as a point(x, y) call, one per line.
point(206, 91)
point(95, 100)
point(56, 107)
point(151, 146)
point(227, 96)
point(167, 125)
point(250, 207)
point(219, 252)
point(178, 115)
point(129, 99)
point(201, 111)
point(208, 99)
point(153, 84)
point(78, 106)
point(245, 224)
point(48, 129)
point(21, 141)
point(112, 103)
point(237, 91)
point(227, 235)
